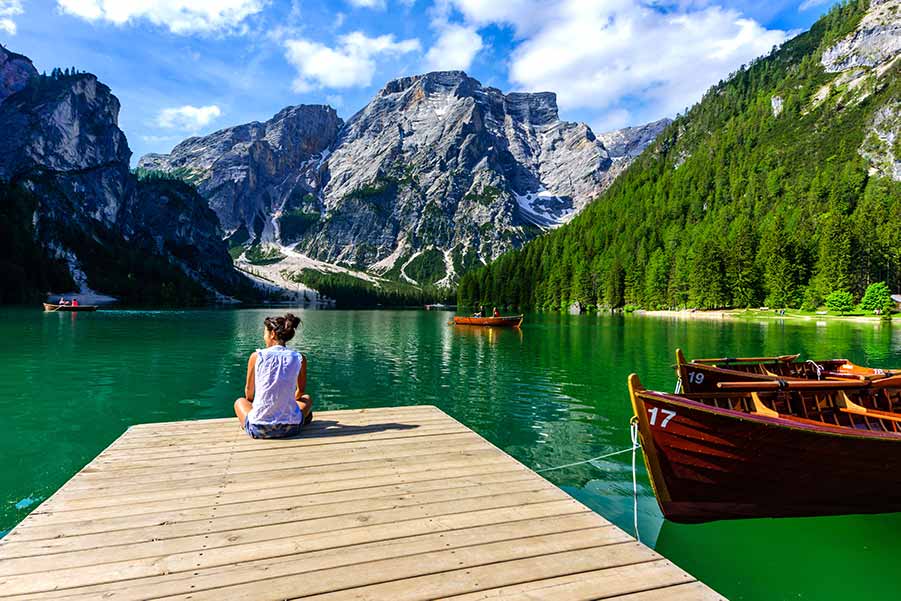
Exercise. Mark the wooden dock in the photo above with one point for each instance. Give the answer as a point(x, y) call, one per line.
point(397, 503)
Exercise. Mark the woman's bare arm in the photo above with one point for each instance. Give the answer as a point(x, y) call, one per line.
point(301, 378)
point(250, 385)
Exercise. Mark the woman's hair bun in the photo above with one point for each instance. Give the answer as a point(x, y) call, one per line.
point(292, 321)
point(283, 327)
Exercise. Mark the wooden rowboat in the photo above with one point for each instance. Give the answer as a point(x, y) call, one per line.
point(773, 453)
point(705, 375)
point(52, 308)
point(508, 321)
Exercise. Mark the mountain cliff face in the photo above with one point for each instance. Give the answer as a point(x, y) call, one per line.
point(627, 143)
point(15, 71)
point(779, 187)
point(436, 174)
point(62, 148)
point(246, 170)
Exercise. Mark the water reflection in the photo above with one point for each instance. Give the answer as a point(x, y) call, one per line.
point(549, 394)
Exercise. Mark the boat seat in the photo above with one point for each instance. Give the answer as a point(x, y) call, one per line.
point(760, 408)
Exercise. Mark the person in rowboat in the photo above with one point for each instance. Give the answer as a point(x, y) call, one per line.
point(275, 403)
point(495, 313)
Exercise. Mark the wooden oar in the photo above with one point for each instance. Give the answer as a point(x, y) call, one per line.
point(778, 359)
point(794, 385)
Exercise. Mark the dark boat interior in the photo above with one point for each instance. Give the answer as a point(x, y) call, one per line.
point(872, 409)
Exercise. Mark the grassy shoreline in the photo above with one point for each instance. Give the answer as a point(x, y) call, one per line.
point(768, 315)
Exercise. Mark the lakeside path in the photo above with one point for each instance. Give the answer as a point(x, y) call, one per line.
point(758, 315)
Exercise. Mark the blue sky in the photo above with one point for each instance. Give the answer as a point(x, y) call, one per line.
point(189, 67)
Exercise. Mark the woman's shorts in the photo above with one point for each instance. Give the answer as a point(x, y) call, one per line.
point(271, 430)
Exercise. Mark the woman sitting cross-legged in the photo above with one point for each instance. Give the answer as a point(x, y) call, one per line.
point(275, 404)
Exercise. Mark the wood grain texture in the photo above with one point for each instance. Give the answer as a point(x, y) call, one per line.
point(394, 503)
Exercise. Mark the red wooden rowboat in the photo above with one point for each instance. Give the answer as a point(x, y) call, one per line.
point(52, 308)
point(704, 375)
point(508, 321)
point(774, 453)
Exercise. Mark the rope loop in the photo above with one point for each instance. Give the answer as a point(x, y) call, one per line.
point(818, 367)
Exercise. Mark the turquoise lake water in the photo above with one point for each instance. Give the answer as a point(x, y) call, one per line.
point(551, 393)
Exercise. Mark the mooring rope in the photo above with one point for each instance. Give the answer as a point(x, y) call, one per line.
point(593, 459)
point(636, 444)
point(818, 367)
point(633, 432)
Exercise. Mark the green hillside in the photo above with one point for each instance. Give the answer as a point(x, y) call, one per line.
point(737, 203)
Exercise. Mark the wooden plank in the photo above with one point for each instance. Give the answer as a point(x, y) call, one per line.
point(695, 591)
point(399, 423)
point(240, 552)
point(300, 498)
point(212, 447)
point(401, 503)
point(291, 565)
point(615, 582)
point(256, 480)
point(63, 519)
point(325, 436)
point(195, 470)
point(252, 533)
point(346, 416)
point(260, 449)
point(215, 521)
point(440, 575)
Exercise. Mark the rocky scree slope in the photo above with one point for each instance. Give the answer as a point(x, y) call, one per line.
point(65, 162)
point(435, 175)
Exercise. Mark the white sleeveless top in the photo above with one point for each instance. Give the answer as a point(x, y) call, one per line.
point(275, 381)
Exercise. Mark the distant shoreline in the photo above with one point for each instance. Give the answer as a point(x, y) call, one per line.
point(757, 315)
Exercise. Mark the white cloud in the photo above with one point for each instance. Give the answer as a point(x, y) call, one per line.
point(187, 117)
point(351, 63)
point(613, 55)
point(335, 100)
point(379, 4)
point(179, 16)
point(8, 10)
point(455, 48)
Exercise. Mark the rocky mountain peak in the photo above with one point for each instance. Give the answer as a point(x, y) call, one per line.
point(435, 174)
point(433, 82)
point(537, 108)
point(64, 123)
point(15, 71)
point(627, 143)
point(62, 145)
point(241, 168)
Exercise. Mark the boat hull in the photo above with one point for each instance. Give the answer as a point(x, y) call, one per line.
point(512, 321)
point(50, 307)
point(711, 464)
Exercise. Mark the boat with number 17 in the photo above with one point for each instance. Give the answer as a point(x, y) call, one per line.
point(772, 448)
